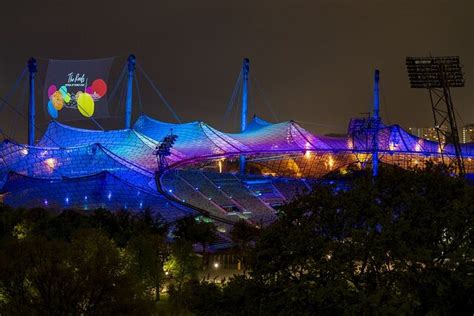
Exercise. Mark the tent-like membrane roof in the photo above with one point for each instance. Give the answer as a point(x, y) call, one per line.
point(69, 164)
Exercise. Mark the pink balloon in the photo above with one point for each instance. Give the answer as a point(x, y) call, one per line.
point(89, 90)
point(52, 89)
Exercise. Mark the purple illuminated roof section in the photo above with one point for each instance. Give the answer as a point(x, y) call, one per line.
point(102, 190)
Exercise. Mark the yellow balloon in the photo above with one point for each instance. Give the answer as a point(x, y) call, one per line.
point(57, 100)
point(85, 104)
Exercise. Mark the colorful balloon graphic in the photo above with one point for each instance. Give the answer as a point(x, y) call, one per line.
point(100, 87)
point(83, 101)
point(52, 89)
point(57, 100)
point(85, 104)
point(52, 111)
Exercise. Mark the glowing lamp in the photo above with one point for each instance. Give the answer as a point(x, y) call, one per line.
point(51, 163)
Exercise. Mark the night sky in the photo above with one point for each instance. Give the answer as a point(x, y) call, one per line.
point(314, 59)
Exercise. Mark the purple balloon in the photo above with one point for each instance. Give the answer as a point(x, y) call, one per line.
point(89, 90)
point(52, 89)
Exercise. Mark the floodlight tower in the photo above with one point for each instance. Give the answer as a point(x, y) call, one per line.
point(243, 117)
point(131, 62)
point(32, 68)
point(438, 75)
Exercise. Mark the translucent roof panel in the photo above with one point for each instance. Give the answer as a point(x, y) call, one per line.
point(127, 144)
point(256, 123)
point(274, 137)
point(195, 139)
point(101, 190)
point(58, 163)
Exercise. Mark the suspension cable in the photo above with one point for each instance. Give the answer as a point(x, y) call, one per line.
point(138, 95)
point(231, 102)
point(265, 98)
point(121, 100)
point(25, 118)
point(152, 84)
point(22, 102)
point(14, 87)
point(117, 84)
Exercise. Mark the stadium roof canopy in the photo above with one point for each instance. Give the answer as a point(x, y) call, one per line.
point(73, 167)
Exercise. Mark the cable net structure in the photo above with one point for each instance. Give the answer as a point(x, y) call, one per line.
point(79, 168)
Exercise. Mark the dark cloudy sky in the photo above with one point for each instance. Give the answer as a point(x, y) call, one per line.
point(314, 59)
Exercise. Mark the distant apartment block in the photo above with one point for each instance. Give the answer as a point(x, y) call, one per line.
point(467, 133)
point(428, 133)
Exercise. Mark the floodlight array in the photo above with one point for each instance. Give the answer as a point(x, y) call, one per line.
point(435, 72)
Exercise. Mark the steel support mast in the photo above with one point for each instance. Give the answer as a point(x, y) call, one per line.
point(32, 68)
point(244, 113)
point(128, 103)
point(376, 119)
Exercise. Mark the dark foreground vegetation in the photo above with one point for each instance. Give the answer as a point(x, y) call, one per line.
point(402, 244)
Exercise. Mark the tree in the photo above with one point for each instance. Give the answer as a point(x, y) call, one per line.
point(53, 277)
point(148, 256)
point(203, 298)
point(9, 218)
point(244, 235)
point(61, 226)
point(196, 231)
point(122, 226)
point(402, 243)
point(182, 264)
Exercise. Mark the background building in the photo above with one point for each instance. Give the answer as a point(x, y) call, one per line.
point(428, 133)
point(468, 133)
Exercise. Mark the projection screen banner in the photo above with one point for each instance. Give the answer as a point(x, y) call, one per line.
point(77, 89)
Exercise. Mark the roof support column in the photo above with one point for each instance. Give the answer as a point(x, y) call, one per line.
point(243, 117)
point(376, 119)
point(128, 103)
point(31, 104)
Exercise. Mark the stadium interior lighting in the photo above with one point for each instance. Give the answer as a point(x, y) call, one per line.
point(51, 163)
